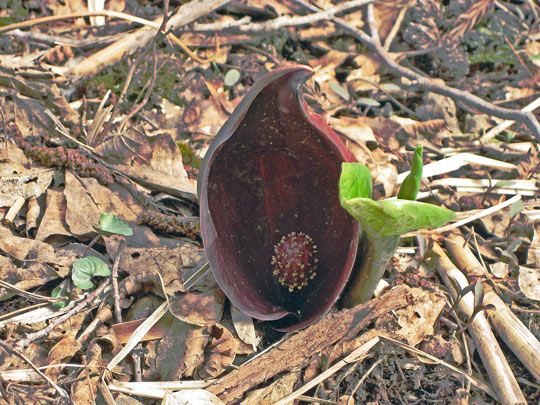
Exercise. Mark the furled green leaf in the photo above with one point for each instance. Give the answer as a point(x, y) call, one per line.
point(411, 184)
point(354, 182)
point(87, 267)
point(396, 217)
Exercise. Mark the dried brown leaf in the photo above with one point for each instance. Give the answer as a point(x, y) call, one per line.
point(181, 350)
point(219, 354)
point(163, 261)
point(529, 282)
point(198, 309)
point(62, 352)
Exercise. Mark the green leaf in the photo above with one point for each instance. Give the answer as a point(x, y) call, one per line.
point(112, 225)
point(411, 184)
point(340, 90)
point(390, 87)
point(367, 101)
point(60, 291)
point(396, 217)
point(231, 77)
point(354, 182)
point(516, 208)
point(87, 267)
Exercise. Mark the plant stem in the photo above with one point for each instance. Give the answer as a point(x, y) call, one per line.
point(377, 254)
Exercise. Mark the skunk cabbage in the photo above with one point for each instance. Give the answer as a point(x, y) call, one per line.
point(279, 243)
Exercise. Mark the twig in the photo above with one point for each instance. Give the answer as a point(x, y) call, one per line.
point(137, 362)
point(427, 83)
point(493, 132)
point(88, 301)
point(220, 26)
point(148, 87)
point(61, 392)
point(115, 52)
point(469, 377)
point(395, 28)
point(62, 17)
point(500, 373)
point(57, 40)
point(286, 21)
point(114, 279)
point(514, 333)
point(23, 310)
point(361, 381)
point(356, 355)
point(30, 295)
point(138, 334)
point(478, 215)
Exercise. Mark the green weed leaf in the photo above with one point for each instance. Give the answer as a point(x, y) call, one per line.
point(110, 224)
point(340, 90)
point(231, 77)
point(87, 267)
point(61, 291)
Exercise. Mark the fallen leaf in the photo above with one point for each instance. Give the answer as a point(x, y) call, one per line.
point(243, 324)
point(180, 351)
point(198, 309)
point(269, 395)
point(219, 354)
point(62, 352)
point(529, 282)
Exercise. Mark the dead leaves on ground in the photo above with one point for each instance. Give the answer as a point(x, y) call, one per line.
point(49, 213)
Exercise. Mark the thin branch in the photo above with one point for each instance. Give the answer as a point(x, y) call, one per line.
point(115, 52)
point(57, 388)
point(220, 26)
point(63, 17)
point(81, 306)
point(114, 281)
point(429, 84)
point(287, 21)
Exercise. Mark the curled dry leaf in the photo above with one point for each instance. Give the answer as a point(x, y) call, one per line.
point(160, 260)
point(64, 349)
point(529, 282)
point(219, 353)
point(180, 351)
point(243, 324)
point(417, 321)
point(198, 309)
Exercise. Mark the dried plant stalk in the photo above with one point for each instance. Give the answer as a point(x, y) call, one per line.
point(500, 374)
point(514, 333)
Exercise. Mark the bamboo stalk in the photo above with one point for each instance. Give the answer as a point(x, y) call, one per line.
point(514, 333)
point(499, 371)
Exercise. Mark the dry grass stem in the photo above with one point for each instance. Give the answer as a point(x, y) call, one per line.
point(514, 333)
point(493, 358)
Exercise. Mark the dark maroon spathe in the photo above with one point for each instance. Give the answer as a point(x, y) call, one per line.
point(272, 172)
